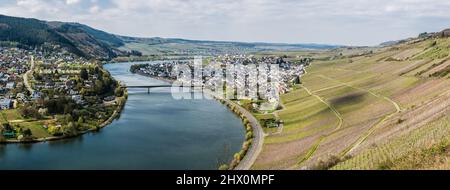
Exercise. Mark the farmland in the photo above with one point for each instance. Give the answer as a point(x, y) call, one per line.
point(366, 109)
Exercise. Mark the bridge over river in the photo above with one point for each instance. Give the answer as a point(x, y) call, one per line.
point(148, 87)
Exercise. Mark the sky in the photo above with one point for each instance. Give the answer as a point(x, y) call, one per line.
point(340, 22)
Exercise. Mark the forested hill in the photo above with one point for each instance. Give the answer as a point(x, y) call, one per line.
point(77, 38)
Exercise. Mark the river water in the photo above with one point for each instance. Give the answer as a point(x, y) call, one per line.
point(154, 131)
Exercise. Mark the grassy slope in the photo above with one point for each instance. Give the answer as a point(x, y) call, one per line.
point(14, 117)
point(365, 91)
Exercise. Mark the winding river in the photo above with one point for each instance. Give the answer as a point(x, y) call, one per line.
point(154, 131)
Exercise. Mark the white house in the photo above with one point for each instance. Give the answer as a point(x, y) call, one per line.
point(5, 103)
point(10, 85)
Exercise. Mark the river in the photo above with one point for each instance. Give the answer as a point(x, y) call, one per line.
point(154, 131)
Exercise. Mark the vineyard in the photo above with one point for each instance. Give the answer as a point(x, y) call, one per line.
point(386, 156)
point(365, 108)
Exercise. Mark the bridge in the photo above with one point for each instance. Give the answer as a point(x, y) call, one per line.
point(148, 87)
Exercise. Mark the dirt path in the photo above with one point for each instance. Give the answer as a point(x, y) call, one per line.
point(29, 73)
point(316, 145)
point(277, 117)
point(373, 128)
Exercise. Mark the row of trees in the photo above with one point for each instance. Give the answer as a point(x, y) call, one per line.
point(104, 83)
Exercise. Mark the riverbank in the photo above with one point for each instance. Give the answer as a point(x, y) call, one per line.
point(257, 138)
point(121, 101)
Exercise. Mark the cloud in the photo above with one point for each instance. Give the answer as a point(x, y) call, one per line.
point(357, 22)
point(71, 2)
point(94, 9)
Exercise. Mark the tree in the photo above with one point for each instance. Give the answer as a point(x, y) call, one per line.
point(97, 70)
point(118, 91)
point(7, 127)
point(60, 105)
point(30, 111)
point(99, 87)
point(84, 74)
point(53, 130)
point(27, 132)
point(80, 120)
point(69, 129)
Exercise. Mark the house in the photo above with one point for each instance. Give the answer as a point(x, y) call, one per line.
point(21, 96)
point(10, 85)
point(49, 84)
point(73, 92)
point(5, 103)
point(77, 99)
point(36, 95)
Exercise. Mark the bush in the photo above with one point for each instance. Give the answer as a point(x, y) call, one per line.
point(432, 44)
point(237, 157)
point(249, 135)
point(245, 146)
point(327, 163)
point(248, 127)
point(55, 131)
point(387, 164)
point(242, 153)
point(223, 167)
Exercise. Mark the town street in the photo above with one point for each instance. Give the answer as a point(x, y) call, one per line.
point(25, 76)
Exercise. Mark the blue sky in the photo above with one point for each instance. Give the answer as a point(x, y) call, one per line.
point(347, 22)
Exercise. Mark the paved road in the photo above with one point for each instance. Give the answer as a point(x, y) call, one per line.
point(253, 152)
point(29, 73)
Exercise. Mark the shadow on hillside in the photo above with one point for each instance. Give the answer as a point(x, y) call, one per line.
point(352, 98)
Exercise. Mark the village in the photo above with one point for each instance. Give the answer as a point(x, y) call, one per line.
point(49, 92)
point(260, 80)
point(13, 64)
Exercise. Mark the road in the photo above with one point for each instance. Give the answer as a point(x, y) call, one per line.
point(29, 73)
point(258, 133)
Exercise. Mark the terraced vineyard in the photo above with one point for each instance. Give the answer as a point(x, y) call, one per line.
point(366, 110)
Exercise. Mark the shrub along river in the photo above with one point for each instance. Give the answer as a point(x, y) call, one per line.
point(154, 131)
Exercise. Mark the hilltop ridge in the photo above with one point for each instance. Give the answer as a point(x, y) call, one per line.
point(89, 42)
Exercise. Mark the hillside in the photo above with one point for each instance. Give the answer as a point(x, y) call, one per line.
point(152, 46)
point(387, 108)
point(79, 39)
point(92, 43)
